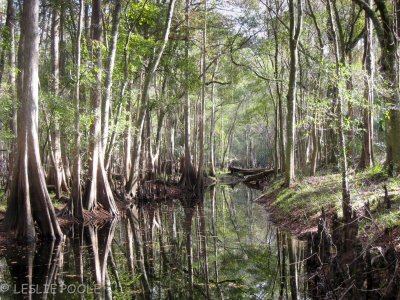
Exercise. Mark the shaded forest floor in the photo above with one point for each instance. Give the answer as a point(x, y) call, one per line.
point(298, 209)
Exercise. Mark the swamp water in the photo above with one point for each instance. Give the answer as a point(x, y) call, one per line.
point(223, 247)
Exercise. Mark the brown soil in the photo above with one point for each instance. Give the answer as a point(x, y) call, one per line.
point(298, 224)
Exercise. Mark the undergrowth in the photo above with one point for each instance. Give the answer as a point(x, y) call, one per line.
point(324, 190)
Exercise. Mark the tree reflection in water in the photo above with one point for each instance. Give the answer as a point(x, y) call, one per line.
point(218, 247)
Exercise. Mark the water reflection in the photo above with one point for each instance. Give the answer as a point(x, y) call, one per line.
point(219, 247)
point(33, 269)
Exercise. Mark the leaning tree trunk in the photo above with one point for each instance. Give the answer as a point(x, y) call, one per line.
point(132, 183)
point(98, 189)
point(110, 147)
point(29, 200)
point(110, 71)
point(154, 151)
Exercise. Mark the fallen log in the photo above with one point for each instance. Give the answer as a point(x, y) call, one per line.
point(244, 171)
point(258, 176)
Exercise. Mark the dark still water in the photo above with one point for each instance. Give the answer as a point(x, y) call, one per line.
point(221, 248)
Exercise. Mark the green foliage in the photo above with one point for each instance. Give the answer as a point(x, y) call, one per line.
point(311, 194)
point(3, 201)
point(143, 13)
point(127, 281)
point(376, 173)
point(141, 48)
point(7, 107)
point(390, 219)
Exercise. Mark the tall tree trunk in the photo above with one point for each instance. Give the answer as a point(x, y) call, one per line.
point(113, 137)
point(77, 206)
point(188, 173)
point(111, 63)
point(66, 161)
point(277, 159)
point(280, 105)
point(87, 22)
point(66, 172)
point(57, 173)
point(200, 169)
point(315, 143)
point(10, 26)
point(367, 157)
point(110, 146)
point(132, 183)
point(62, 42)
point(384, 27)
point(154, 155)
point(346, 200)
point(295, 29)
point(212, 122)
point(148, 174)
point(29, 200)
point(128, 137)
point(276, 140)
point(314, 134)
point(98, 189)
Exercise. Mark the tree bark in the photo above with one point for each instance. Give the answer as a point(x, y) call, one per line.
point(367, 158)
point(132, 183)
point(77, 205)
point(29, 200)
point(346, 200)
point(10, 25)
point(280, 105)
point(110, 146)
point(388, 62)
point(212, 123)
point(111, 63)
point(98, 189)
point(315, 143)
point(200, 169)
point(188, 173)
point(57, 175)
point(314, 133)
point(295, 29)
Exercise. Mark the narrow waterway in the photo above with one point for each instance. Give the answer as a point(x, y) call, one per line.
point(222, 247)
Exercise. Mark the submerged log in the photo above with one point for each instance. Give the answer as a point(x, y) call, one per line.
point(237, 170)
point(258, 176)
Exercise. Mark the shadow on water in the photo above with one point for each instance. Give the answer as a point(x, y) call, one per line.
point(218, 247)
